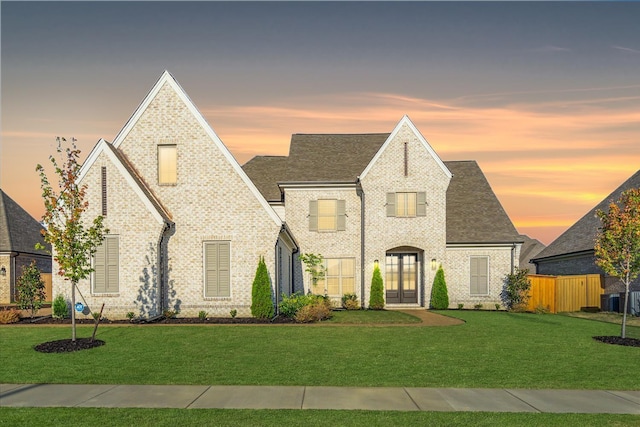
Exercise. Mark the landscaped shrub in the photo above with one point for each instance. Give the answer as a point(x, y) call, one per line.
point(350, 302)
point(291, 305)
point(314, 312)
point(261, 301)
point(515, 293)
point(376, 300)
point(30, 287)
point(60, 309)
point(202, 315)
point(170, 314)
point(439, 293)
point(9, 316)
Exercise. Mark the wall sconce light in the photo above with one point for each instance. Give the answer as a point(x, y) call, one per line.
point(433, 264)
point(375, 263)
point(3, 271)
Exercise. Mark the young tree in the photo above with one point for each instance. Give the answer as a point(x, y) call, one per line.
point(439, 293)
point(314, 266)
point(376, 299)
point(30, 289)
point(261, 302)
point(73, 239)
point(617, 246)
point(515, 293)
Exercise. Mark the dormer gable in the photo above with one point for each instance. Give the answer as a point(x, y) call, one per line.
point(406, 122)
point(173, 108)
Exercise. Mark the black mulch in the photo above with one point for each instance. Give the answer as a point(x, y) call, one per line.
point(48, 320)
point(66, 346)
point(630, 342)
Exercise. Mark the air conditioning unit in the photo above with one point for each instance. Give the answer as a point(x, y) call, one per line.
point(634, 303)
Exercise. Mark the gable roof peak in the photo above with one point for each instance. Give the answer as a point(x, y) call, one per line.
point(405, 120)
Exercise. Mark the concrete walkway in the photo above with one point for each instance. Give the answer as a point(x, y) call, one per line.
point(301, 397)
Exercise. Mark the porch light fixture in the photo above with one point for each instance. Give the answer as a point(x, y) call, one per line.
point(433, 263)
point(3, 271)
point(375, 263)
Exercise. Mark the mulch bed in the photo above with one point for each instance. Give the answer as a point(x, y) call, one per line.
point(67, 346)
point(48, 320)
point(630, 342)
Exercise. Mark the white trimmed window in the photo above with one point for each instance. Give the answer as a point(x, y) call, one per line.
point(339, 277)
point(327, 215)
point(407, 204)
point(167, 164)
point(479, 278)
point(217, 266)
point(106, 266)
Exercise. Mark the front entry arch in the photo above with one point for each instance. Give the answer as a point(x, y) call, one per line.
point(401, 273)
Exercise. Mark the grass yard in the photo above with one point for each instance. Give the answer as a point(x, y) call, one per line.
point(259, 418)
point(364, 317)
point(492, 349)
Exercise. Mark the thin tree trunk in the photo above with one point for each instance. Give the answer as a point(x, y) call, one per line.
point(626, 308)
point(73, 311)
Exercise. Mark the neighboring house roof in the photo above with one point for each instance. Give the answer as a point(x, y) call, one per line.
point(19, 231)
point(581, 236)
point(474, 214)
point(530, 248)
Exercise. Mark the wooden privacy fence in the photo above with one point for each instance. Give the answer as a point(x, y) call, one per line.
point(46, 278)
point(565, 293)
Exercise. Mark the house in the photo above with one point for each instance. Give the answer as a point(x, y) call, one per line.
point(187, 224)
point(187, 227)
point(19, 234)
point(530, 248)
point(572, 252)
point(362, 199)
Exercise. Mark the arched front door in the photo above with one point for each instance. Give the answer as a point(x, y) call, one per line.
point(401, 278)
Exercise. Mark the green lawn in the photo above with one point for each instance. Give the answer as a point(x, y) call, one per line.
point(230, 417)
point(361, 317)
point(492, 349)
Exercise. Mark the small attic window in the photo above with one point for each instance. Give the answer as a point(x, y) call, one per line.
point(167, 164)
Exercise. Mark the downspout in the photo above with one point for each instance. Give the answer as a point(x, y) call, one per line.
point(277, 275)
point(360, 194)
point(163, 267)
point(513, 258)
point(12, 279)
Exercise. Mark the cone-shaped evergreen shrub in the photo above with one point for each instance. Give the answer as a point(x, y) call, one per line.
point(261, 302)
point(376, 300)
point(439, 294)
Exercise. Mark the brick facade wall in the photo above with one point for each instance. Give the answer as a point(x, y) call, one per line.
point(209, 202)
point(138, 232)
point(333, 244)
point(457, 275)
point(426, 234)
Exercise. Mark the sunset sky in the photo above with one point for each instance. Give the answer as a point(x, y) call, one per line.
point(545, 96)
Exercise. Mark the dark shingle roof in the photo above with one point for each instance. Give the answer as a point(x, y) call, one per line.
point(530, 248)
point(581, 236)
point(474, 214)
point(266, 172)
point(19, 231)
point(332, 157)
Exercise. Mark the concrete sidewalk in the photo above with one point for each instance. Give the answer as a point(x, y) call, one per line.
point(302, 397)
